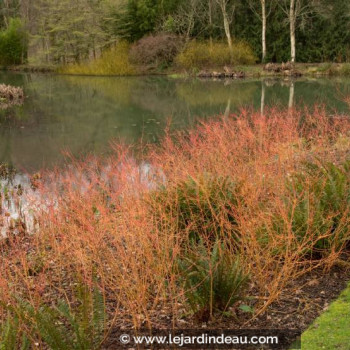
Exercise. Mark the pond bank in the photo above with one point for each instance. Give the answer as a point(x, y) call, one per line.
point(248, 71)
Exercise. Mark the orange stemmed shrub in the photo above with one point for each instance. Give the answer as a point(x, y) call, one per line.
point(128, 223)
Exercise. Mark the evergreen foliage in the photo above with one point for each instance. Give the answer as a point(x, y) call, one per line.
point(61, 327)
point(13, 43)
point(213, 279)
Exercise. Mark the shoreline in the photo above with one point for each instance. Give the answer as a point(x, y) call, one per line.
point(327, 69)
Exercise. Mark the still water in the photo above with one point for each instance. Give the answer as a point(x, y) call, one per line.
point(84, 114)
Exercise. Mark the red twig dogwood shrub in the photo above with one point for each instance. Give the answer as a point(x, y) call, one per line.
point(104, 221)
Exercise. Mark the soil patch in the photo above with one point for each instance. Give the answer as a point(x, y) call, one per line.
point(298, 306)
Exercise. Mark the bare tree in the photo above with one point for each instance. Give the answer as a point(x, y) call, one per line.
point(227, 8)
point(263, 14)
point(9, 9)
point(210, 20)
point(294, 9)
point(188, 14)
point(263, 20)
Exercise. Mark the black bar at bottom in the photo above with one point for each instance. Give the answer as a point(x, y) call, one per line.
point(208, 339)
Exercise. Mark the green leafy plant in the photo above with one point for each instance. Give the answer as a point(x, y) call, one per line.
point(317, 205)
point(62, 327)
point(11, 336)
point(213, 279)
point(323, 203)
point(13, 43)
point(204, 207)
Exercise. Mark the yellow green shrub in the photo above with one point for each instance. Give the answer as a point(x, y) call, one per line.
point(114, 61)
point(203, 54)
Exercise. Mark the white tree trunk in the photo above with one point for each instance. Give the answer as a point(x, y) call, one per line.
point(228, 108)
point(222, 4)
point(262, 101)
point(6, 13)
point(210, 15)
point(263, 18)
point(291, 96)
point(292, 22)
point(227, 31)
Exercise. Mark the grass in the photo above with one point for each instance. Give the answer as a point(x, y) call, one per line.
point(332, 329)
point(174, 231)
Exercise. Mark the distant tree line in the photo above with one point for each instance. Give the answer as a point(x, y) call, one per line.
point(64, 31)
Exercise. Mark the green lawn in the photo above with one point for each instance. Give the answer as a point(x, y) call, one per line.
point(331, 330)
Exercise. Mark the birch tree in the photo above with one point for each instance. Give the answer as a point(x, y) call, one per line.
point(263, 13)
point(294, 9)
point(227, 8)
point(210, 21)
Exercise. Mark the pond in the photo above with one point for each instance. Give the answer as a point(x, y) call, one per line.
point(84, 114)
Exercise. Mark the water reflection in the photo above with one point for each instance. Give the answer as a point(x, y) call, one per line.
point(291, 95)
point(16, 199)
point(262, 101)
point(83, 114)
point(22, 197)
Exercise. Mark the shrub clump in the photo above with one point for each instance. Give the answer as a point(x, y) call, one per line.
point(214, 279)
point(113, 61)
point(10, 95)
point(345, 69)
point(13, 43)
point(201, 208)
point(61, 326)
point(205, 55)
point(242, 176)
point(156, 50)
point(323, 207)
